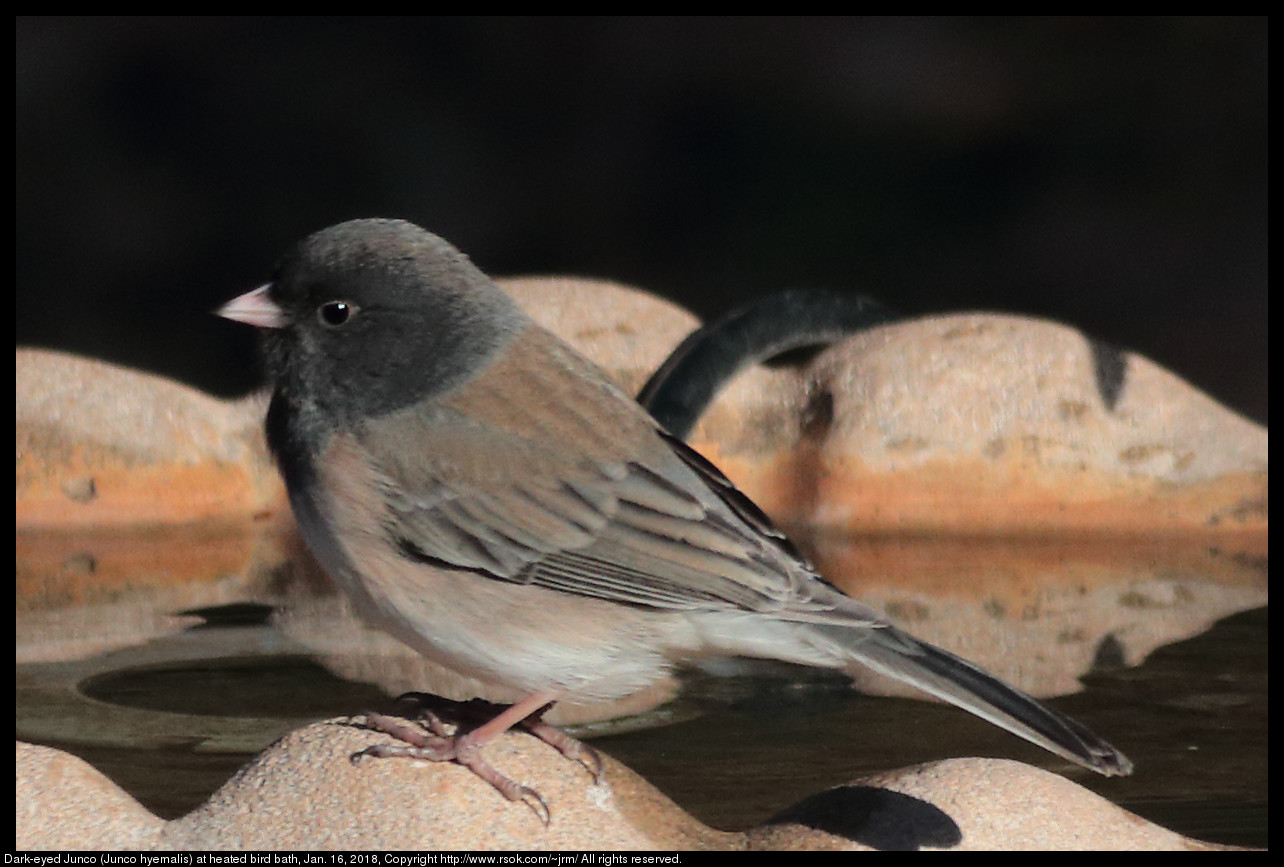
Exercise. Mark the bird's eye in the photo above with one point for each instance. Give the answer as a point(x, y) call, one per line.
point(336, 314)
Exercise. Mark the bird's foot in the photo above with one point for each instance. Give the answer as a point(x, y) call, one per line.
point(475, 711)
point(474, 723)
point(435, 746)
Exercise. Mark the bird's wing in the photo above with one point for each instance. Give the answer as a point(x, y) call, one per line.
point(582, 493)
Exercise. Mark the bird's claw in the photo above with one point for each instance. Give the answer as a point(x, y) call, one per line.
point(436, 745)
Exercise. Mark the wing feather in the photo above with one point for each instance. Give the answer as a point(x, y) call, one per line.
point(543, 496)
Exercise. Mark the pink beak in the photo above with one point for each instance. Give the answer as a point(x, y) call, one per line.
point(255, 308)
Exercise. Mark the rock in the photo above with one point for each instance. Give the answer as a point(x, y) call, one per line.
point(303, 792)
point(983, 424)
point(64, 803)
point(964, 805)
point(103, 445)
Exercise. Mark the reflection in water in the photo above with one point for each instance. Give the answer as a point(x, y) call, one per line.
point(124, 657)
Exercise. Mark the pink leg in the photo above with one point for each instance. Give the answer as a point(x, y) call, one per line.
point(437, 745)
point(562, 742)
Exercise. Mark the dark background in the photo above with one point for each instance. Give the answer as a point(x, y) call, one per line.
point(1106, 172)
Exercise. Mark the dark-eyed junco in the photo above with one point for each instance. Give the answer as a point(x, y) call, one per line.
point(488, 496)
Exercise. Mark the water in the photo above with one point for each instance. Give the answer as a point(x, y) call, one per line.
point(1167, 638)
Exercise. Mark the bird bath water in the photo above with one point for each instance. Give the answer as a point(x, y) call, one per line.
point(167, 665)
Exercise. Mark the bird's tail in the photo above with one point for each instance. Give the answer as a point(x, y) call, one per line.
point(889, 651)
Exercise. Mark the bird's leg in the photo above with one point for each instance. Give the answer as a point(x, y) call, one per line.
point(437, 743)
point(563, 743)
point(417, 744)
point(489, 714)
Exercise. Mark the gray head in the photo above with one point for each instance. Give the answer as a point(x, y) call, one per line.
point(369, 316)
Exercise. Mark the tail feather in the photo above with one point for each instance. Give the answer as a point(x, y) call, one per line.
point(889, 651)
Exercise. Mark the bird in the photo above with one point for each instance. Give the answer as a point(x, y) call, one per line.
point(489, 496)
